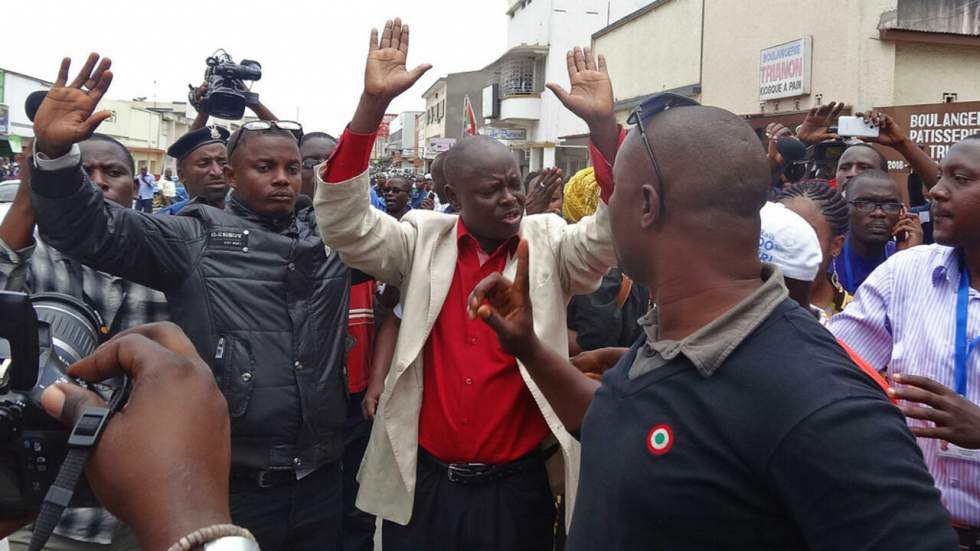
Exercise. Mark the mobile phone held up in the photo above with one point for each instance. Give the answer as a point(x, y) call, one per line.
point(856, 127)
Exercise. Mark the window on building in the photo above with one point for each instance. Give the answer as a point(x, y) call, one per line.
point(517, 77)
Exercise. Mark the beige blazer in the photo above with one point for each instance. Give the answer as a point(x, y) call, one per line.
point(418, 255)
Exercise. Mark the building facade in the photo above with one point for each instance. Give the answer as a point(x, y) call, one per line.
point(445, 119)
point(516, 107)
point(775, 60)
point(146, 128)
point(402, 149)
point(14, 124)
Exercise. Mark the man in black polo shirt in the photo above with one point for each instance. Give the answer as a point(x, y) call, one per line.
point(736, 421)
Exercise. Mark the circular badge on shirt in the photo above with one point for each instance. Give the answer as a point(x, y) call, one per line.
point(660, 439)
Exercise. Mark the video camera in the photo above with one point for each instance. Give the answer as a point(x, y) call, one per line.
point(227, 96)
point(40, 336)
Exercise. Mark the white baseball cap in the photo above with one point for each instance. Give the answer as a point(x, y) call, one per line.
point(788, 241)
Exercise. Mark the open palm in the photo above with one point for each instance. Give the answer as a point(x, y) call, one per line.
point(66, 115)
point(591, 95)
point(385, 74)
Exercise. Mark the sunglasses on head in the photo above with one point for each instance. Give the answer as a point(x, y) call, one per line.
point(646, 110)
point(293, 127)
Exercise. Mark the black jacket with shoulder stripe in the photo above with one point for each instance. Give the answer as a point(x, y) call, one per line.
point(262, 299)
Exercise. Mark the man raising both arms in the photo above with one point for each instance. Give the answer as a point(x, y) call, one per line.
point(455, 458)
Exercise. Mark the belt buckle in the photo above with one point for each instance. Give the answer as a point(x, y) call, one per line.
point(461, 473)
point(260, 479)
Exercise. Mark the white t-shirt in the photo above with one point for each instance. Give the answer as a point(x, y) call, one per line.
point(167, 187)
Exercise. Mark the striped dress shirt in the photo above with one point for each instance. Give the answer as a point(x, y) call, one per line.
point(903, 318)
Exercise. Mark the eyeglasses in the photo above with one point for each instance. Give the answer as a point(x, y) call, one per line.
point(293, 127)
point(889, 207)
point(649, 108)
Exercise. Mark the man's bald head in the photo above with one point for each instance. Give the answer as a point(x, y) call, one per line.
point(711, 160)
point(484, 183)
point(438, 176)
point(716, 178)
point(473, 155)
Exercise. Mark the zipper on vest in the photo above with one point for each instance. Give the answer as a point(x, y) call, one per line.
point(220, 352)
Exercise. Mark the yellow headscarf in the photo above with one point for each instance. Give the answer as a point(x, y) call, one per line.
point(581, 196)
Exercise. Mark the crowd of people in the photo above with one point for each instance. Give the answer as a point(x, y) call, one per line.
point(699, 342)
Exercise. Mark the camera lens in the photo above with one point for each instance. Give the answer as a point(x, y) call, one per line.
point(74, 326)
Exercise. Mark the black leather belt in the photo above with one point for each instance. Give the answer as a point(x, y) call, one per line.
point(969, 537)
point(480, 473)
point(251, 480)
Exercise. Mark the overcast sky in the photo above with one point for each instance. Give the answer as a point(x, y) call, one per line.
point(312, 51)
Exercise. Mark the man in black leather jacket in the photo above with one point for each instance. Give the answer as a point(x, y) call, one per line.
point(261, 298)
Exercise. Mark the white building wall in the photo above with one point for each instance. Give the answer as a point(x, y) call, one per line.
point(924, 72)
point(16, 90)
point(530, 24)
point(639, 66)
point(561, 25)
point(850, 63)
point(133, 126)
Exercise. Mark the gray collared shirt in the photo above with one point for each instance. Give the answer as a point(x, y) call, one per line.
point(708, 347)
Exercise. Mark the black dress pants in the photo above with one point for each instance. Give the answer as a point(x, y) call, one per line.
point(513, 513)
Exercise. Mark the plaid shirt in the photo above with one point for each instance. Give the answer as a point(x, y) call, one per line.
point(122, 304)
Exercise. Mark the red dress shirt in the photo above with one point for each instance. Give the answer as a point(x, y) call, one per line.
point(475, 405)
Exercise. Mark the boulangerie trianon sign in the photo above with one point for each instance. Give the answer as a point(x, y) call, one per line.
point(784, 70)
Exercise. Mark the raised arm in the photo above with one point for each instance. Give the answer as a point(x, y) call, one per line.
point(72, 215)
point(17, 232)
point(585, 251)
point(894, 136)
point(367, 239)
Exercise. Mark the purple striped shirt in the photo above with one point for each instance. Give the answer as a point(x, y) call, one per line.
point(904, 318)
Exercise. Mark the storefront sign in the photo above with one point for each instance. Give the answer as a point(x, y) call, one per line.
point(385, 125)
point(513, 134)
point(440, 145)
point(935, 127)
point(784, 70)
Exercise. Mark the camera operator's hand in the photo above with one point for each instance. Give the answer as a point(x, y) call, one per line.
point(891, 134)
point(162, 464)
point(816, 125)
point(66, 116)
point(385, 75)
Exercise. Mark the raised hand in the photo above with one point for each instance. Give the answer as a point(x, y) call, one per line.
point(542, 190)
point(955, 419)
point(816, 125)
point(908, 231)
point(774, 131)
point(506, 306)
point(889, 132)
point(591, 95)
point(385, 74)
point(66, 116)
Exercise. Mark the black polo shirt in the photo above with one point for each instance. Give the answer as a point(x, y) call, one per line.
point(785, 445)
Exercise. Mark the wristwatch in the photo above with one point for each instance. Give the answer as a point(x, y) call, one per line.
point(232, 543)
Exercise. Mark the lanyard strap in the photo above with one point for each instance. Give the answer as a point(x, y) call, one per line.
point(962, 346)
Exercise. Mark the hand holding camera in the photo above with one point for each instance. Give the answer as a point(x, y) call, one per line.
point(162, 465)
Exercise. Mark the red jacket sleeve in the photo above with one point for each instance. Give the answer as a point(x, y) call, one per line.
point(603, 167)
point(350, 158)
